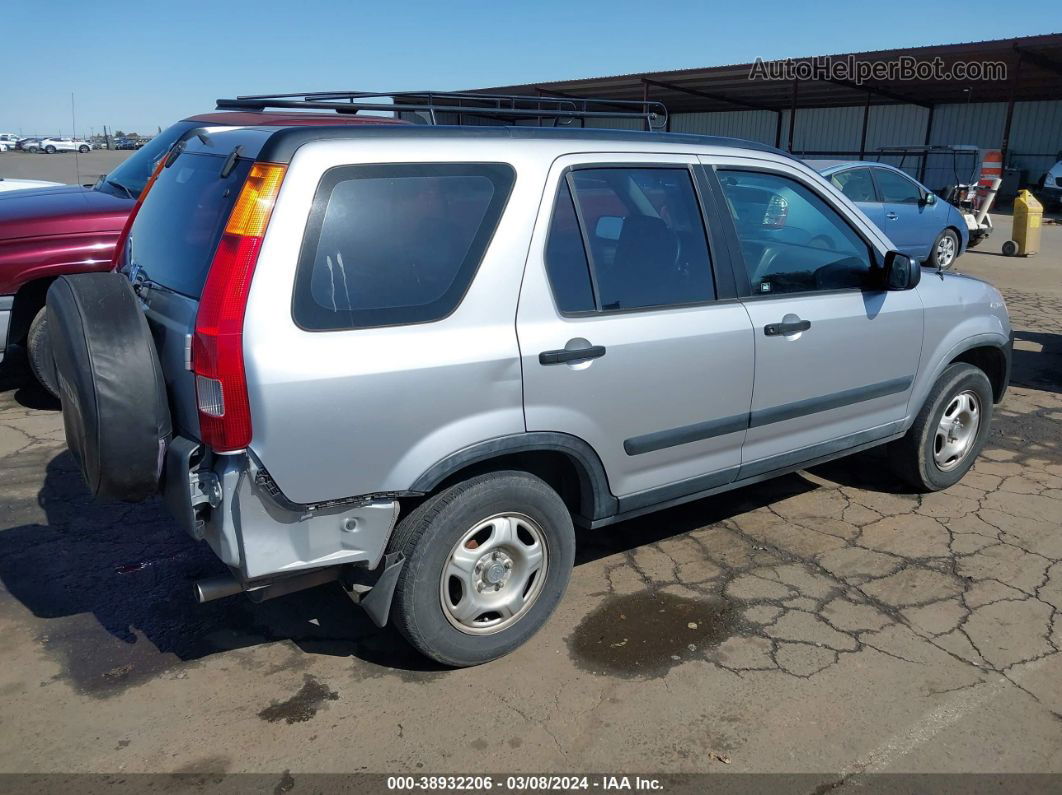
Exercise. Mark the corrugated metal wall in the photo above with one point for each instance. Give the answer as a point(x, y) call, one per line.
point(827, 129)
point(977, 123)
point(1035, 139)
point(752, 125)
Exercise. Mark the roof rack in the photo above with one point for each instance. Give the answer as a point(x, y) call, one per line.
point(507, 107)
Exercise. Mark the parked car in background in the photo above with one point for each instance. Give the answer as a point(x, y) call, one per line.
point(47, 232)
point(127, 144)
point(28, 144)
point(411, 359)
point(53, 145)
point(1051, 186)
point(8, 184)
point(8, 141)
point(916, 220)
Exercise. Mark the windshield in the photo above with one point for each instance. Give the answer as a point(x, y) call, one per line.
point(131, 176)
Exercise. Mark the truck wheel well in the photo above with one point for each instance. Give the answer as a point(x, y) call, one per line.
point(992, 361)
point(28, 302)
point(560, 471)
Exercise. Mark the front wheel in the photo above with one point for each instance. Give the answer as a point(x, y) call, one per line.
point(945, 250)
point(82, 149)
point(948, 433)
point(39, 352)
point(487, 562)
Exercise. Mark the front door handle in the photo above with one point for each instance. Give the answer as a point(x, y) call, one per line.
point(792, 327)
point(571, 355)
point(891, 216)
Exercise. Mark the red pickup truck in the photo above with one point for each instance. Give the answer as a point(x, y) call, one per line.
point(50, 232)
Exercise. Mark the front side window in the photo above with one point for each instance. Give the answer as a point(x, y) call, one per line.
point(791, 240)
point(896, 188)
point(647, 244)
point(856, 184)
point(396, 244)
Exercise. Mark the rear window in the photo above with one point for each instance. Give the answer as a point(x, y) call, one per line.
point(180, 223)
point(396, 244)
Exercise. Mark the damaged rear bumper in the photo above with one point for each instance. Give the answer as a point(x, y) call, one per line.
point(274, 546)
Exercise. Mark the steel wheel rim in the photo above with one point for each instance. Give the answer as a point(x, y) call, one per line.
point(957, 430)
point(494, 574)
point(945, 251)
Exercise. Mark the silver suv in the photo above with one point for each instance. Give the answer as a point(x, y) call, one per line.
point(413, 358)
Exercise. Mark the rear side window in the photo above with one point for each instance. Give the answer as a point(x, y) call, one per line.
point(856, 184)
point(396, 244)
point(646, 239)
point(180, 222)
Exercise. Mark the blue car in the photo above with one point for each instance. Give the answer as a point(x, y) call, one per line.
point(917, 221)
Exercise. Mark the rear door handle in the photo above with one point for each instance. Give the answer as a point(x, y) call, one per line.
point(779, 329)
point(571, 355)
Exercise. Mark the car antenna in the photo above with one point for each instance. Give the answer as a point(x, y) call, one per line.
point(73, 132)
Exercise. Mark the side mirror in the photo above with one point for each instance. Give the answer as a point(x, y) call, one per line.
point(930, 199)
point(901, 272)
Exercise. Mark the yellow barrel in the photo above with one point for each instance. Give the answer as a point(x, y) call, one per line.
point(1028, 218)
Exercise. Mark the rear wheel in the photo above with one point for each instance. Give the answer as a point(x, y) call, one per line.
point(50, 149)
point(39, 352)
point(948, 433)
point(487, 562)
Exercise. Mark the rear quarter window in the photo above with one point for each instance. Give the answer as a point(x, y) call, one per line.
point(396, 244)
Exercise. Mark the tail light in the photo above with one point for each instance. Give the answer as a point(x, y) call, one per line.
point(217, 346)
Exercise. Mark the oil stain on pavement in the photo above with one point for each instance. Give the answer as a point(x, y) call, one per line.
point(645, 634)
point(303, 705)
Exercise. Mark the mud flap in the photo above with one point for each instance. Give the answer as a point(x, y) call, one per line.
point(376, 599)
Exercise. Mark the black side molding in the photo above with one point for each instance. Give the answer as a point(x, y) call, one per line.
point(659, 440)
point(799, 408)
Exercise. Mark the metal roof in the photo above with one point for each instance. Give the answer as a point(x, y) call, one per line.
point(1034, 72)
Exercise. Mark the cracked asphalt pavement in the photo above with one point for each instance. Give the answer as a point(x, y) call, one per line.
point(828, 622)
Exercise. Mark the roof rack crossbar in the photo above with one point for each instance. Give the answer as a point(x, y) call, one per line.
point(510, 107)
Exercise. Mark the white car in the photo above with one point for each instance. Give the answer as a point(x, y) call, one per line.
point(53, 145)
point(1052, 186)
point(24, 184)
point(8, 141)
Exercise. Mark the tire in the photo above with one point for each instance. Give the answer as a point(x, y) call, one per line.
point(1010, 248)
point(945, 250)
point(39, 353)
point(82, 149)
point(442, 527)
point(49, 150)
point(925, 457)
point(115, 411)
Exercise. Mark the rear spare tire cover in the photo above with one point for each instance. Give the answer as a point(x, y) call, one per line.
point(115, 411)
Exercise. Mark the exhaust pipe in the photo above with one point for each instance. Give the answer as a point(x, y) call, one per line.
point(216, 588)
point(219, 587)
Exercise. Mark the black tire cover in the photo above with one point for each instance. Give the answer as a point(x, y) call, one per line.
point(115, 411)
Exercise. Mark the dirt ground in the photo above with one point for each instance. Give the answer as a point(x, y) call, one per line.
point(827, 622)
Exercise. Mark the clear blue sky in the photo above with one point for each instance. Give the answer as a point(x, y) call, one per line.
point(138, 65)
